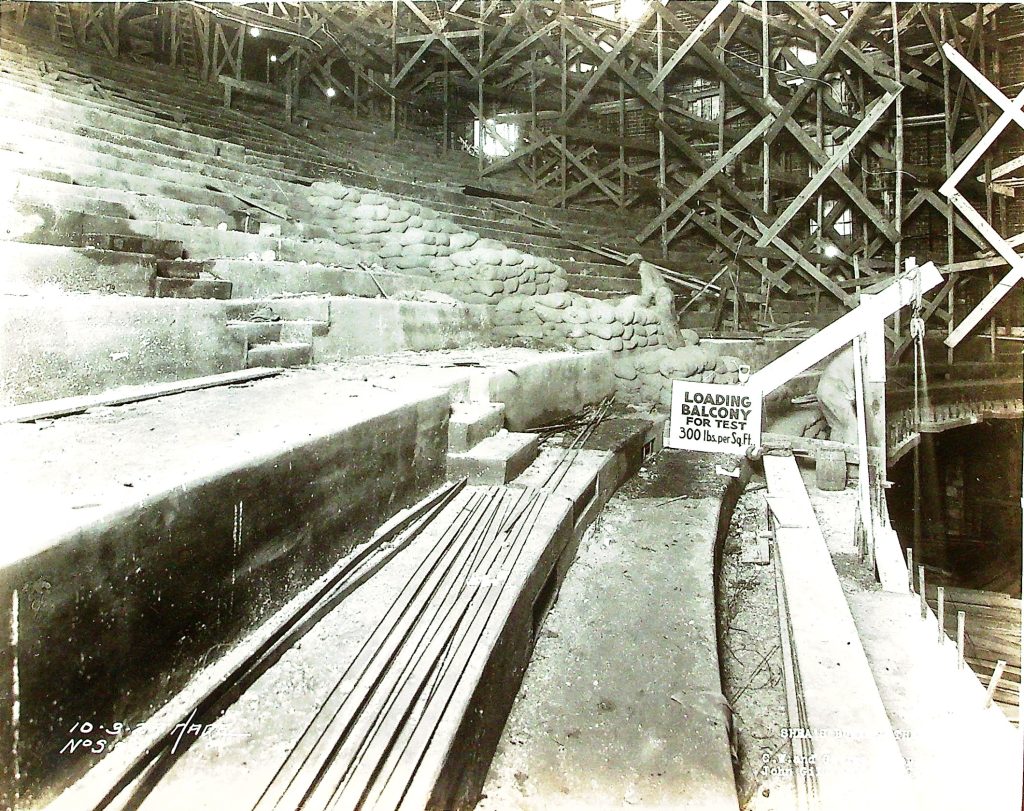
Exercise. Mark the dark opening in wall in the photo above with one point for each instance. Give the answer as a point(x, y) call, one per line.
point(969, 505)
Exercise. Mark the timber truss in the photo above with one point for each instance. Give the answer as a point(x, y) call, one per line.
point(774, 133)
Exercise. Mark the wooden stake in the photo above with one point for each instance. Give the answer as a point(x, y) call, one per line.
point(960, 619)
point(910, 568)
point(920, 583)
point(941, 613)
point(997, 674)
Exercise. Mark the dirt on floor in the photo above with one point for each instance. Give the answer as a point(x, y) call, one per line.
point(621, 706)
point(752, 664)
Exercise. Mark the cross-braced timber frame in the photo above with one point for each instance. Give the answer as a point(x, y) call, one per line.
point(775, 132)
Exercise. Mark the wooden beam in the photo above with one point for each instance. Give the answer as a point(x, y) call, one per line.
point(683, 50)
point(709, 174)
point(843, 330)
point(833, 164)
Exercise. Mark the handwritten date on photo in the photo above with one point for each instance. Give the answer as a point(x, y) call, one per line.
point(99, 738)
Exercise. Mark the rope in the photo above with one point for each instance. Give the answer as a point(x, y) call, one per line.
point(917, 334)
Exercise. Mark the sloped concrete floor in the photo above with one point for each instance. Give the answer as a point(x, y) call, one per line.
point(622, 706)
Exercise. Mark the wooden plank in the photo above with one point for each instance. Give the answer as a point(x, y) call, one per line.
point(683, 50)
point(817, 71)
point(612, 55)
point(841, 331)
point(709, 174)
point(864, 768)
point(67, 406)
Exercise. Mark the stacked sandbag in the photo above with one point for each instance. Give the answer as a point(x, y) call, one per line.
point(646, 377)
point(487, 272)
point(568, 319)
point(411, 238)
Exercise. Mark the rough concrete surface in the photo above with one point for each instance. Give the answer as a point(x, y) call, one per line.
point(621, 706)
point(64, 345)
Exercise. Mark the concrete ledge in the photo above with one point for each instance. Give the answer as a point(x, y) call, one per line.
point(496, 460)
point(66, 345)
point(26, 268)
point(471, 423)
point(255, 279)
point(559, 384)
point(382, 326)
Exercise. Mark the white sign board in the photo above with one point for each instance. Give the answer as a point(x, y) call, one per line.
point(710, 417)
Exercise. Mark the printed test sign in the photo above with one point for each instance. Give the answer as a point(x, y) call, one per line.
point(712, 417)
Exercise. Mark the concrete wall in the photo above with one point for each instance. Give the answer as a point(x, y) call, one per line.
point(27, 268)
point(550, 387)
point(65, 345)
point(115, 617)
point(378, 326)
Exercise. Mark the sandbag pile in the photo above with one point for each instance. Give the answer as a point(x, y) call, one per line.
point(411, 238)
point(529, 294)
point(646, 377)
point(569, 319)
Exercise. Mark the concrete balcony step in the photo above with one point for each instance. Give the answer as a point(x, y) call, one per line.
point(161, 248)
point(285, 355)
point(193, 288)
point(303, 331)
point(495, 460)
point(181, 268)
point(298, 308)
point(257, 332)
point(28, 267)
point(472, 423)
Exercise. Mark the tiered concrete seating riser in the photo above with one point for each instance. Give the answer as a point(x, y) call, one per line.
point(123, 159)
point(26, 268)
point(119, 145)
point(221, 125)
point(256, 279)
point(35, 190)
point(65, 345)
point(29, 106)
point(100, 177)
point(46, 223)
point(152, 107)
point(174, 165)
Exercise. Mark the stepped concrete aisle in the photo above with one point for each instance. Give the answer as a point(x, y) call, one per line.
point(621, 706)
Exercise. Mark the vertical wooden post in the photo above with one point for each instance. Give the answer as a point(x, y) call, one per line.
point(622, 149)
point(480, 90)
point(819, 129)
point(924, 599)
point(948, 132)
point(243, 32)
point(394, 68)
point(766, 185)
point(941, 612)
point(910, 567)
point(662, 158)
point(445, 136)
point(898, 155)
point(564, 99)
point(993, 683)
point(989, 195)
point(174, 35)
point(533, 116)
point(960, 620)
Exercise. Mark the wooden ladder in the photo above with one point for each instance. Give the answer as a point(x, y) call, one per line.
point(64, 26)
